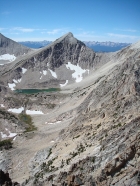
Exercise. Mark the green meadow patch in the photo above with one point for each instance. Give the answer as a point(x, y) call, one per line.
point(28, 120)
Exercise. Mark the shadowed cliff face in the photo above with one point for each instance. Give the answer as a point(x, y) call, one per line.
point(6, 180)
point(70, 49)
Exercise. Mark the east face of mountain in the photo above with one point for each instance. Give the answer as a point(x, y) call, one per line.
point(52, 65)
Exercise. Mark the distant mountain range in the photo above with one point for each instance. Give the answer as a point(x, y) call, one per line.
point(35, 44)
point(95, 45)
point(107, 46)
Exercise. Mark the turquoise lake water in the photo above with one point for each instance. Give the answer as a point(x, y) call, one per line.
point(33, 91)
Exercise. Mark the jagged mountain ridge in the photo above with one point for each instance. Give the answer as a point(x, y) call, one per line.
point(52, 65)
point(10, 50)
point(11, 47)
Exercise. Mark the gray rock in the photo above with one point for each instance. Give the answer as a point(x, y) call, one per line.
point(8, 46)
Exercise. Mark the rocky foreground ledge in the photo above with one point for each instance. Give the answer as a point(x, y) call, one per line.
point(6, 180)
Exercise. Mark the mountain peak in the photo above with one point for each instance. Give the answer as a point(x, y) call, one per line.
point(69, 34)
point(68, 38)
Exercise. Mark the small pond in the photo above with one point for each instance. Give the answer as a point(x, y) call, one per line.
point(34, 91)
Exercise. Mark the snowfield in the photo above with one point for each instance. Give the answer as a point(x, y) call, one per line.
point(15, 110)
point(2, 105)
point(78, 71)
point(32, 112)
point(53, 123)
point(53, 73)
point(17, 81)
point(24, 70)
point(44, 72)
point(19, 110)
point(11, 86)
point(8, 57)
point(10, 135)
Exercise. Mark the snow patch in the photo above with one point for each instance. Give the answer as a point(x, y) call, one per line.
point(8, 57)
point(53, 123)
point(2, 105)
point(11, 86)
point(24, 70)
point(32, 112)
point(10, 135)
point(62, 85)
point(3, 135)
point(58, 122)
point(78, 71)
point(15, 110)
point(45, 72)
point(53, 73)
point(17, 81)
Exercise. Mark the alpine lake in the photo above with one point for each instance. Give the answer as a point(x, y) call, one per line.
point(34, 91)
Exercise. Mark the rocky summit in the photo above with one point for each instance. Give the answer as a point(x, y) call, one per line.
point(70, 116)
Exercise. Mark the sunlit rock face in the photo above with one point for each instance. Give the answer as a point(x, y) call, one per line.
point(86, 132)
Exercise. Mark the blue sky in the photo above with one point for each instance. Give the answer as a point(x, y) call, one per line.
point(88, 20)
